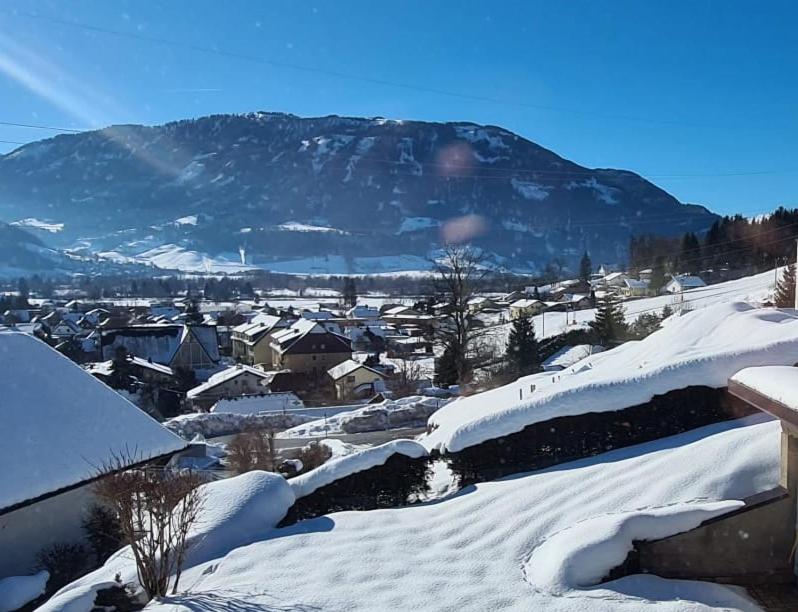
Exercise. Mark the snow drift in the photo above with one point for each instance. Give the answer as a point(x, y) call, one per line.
point(703, 347)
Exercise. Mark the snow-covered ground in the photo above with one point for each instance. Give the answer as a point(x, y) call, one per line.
point(407, 412)
point(703, 347)
point(537, 541)
point(754, 289)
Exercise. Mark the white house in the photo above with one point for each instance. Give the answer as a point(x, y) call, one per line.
point(682, 283)
point(234, 381)
point(61, 427)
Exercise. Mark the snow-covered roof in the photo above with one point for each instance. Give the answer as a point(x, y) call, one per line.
point(60, 424)
point(687, 282)
point(632, 283)
point(255, 404)
point(613, 276)
point(347, 367)
point(159, 342)
point(525, 303)
point(703, 347)
point(569, 355)
point(225, 375)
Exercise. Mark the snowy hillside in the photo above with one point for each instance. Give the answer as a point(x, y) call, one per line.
point(509, 545)
point(705, 347)
point(285, 193)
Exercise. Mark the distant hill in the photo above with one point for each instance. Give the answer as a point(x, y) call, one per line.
point(326, 194)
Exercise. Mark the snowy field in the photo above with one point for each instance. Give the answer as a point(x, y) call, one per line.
point(537, 541)
point(754, 289)
point(703, 347)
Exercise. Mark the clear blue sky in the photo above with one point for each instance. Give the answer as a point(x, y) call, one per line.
point(685, 93)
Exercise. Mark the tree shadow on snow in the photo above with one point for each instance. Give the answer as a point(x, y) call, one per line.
point(233, 601)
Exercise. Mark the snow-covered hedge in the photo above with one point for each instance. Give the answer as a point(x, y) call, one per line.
point(700, 348)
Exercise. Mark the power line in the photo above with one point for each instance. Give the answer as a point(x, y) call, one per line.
point(346, 75)
point(41, 127)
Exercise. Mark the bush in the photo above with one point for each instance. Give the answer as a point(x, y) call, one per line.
point(65, 562)
point(313, 455)
point(252, 450)
point(103, 532)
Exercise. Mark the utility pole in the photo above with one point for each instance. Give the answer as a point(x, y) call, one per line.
point(795, 305)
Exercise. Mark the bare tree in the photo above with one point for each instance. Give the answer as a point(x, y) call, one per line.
point(252, 450)
point(406, 378)
point(460, 272)
point(156, 510)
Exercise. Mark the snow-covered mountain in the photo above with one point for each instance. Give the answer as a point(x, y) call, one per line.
point(282, 192)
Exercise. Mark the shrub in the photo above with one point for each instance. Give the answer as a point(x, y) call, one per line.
point(103, 532)
point(252, 450)
point(64, 561)
point(313, 455)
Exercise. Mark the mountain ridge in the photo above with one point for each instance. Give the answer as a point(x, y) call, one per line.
point(266, 188)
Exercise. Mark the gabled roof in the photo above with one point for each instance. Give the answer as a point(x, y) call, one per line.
point(259, 325)
point(688, 281)
point(159, 342)
point(224, 376)
point(347, 367)
point(61, 425)
point(632, 283)
point(284, 339)
point(525, 303)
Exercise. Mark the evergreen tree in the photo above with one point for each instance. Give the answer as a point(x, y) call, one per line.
point(657, 281)
point(522, 348)
point(23, 290)
point(349, 292)
point(446, 368)
point(609, 325)
point(690, 254)
point(121, 377)
point(193, 314)
point(667, 311)
point(585, 268)
point(785, 289)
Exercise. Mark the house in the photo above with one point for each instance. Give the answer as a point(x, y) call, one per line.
point(614, 279)
point(65, 329)
point(250, 341)
point(568, 356)
point(190, 347)
point(513, 296)
point(256, 404)
point(61, 427)
point(143, 369)
point(354, 380)
point(678, 284)
point(480, 304)
point(235, 381)
point(363, 312)
point(526, 308)
point(308, 348)
point(635, 288)
point(646, 274)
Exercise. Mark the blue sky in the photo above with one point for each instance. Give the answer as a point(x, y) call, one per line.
point(698, 96)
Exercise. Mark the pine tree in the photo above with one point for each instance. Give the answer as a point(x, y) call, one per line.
point(785, 289)
point(609, 325)
point(349, 292)
point(120, 377)
point(585, 268)
point(657, 281)
point(446, 368)
point(193, 314)
point(522, 348)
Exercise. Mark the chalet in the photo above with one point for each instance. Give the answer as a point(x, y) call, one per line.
point(645, 275)
point(235, 381)
point(308, 348)
point(65, 329)
point(614, 279)
point(526, 308)
point(354, 380)
point(678, 284)
point(250, 341)
point(513, 296)
point(256, 404)
point(635, 288)
point(404, 315)
point(143, 369)
point(481, 304)
point(191, 347)
point(60, 429)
